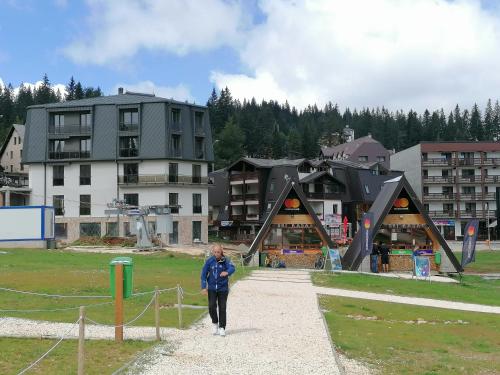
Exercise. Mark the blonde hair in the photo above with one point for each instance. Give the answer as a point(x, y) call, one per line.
point(218, 245)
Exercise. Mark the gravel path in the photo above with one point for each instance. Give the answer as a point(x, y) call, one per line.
point(408, 300)
point(274, 327)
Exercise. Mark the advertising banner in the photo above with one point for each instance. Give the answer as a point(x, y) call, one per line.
point(469, 245)
point(335, 259)
point(367, 223)
point(422, 267)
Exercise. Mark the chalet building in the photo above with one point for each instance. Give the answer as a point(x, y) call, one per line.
point(242, 195)
point(138, 148)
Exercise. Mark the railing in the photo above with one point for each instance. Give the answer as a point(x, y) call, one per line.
point(237, 197)
point(59, 155)
point(439, 179)
point(444, 214)
point(160, 179)
point(76, 129)
point(251, 217)
point(238, 217)
point(471, 196)
point(492, 179)
point(491, 161)
point(469, 179)
point(176, 127)
point(129, 152)
point(437, 161)
point(470, 213)
point(129, 127)
point(199, 131)
point(244, 176)
point(252, 197)
point(439, 196)
point(467, 161)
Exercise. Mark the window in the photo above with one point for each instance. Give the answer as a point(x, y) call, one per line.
point(197, 230)
point(198, 122)
point(426, 190)
point(85, 205)
point(58, 203)
point(445, 173)
point(173, 202)
point(448, 208)
point(467, 172)
point(173, 173)
point(470, 207)
point(85, 147)
point(174, 236)
point(56, 149)
point(426, 207)
point(22, 167)
point(335, 209)
point(367, 189)
point(12, 168)
point(199, 148)
point(90, 229)
point(12, 154)
point(447, 190)
point(273, 183)
point(112, 229)
point(129, 147)
point(58, 175)
point(129, 120)
point(196, 174)
point(131, 199)
point(85, 174)
point(197, 203)
point(176, 116)
point(20, 153)
point(19, 140)
point(58, 123)
point(176, 145)
point(468, 189)
point(130, 173)
point(15, 140)
point(85, 122)
point(381, 159)
point(60, 230)
point(363, 158)
point(425, 172)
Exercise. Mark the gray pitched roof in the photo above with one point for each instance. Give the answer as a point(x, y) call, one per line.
point(19, 129)
point(269, 163)
point(349, 147)
point(121, 99)
point(315, 175)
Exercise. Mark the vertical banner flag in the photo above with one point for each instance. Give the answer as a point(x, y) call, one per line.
point(367, 233)
point(346, 223)
point(469, 245)
point(335, 259)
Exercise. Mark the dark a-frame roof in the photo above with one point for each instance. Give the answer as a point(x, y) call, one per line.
point(274, 211)
point(380, 208)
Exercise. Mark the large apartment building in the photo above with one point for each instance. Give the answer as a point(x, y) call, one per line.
point(143, 149)
point(456, 181)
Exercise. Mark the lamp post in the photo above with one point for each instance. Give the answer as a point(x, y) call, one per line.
point(488, 223)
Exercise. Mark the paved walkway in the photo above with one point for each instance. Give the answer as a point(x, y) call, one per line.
point(274, 327)
point(408, 300)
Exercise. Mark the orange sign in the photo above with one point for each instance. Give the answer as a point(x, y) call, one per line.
point(367, 223)
point(292, 203)
point(401, 203)
point(471, 231)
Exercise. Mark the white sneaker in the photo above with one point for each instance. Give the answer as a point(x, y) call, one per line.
point(222, 332)
point(215, 329)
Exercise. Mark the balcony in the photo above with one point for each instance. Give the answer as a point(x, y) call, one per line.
point(469, 179)
point(439, 179)
point(467, 162)
point(492, 179)
point(491, 161)
point(160, 179)
point(69, 130)
point(238, 217)
point(480, 214)
point(471, 196)
point(129, 152)
point(439, 196)
point(176, 127)
point(129, 128)
point(437, 162)
point(442, 214)
point(244, 178)
point(237, 197)
point(62, 155)
point(252, 217)
point(199, 131)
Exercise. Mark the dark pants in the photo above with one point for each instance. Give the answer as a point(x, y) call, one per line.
point(220, 299)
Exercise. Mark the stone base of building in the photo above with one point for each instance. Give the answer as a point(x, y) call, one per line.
point(70, 229)
point(23, 244)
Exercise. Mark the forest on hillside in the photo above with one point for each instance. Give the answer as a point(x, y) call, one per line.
point(269, 129)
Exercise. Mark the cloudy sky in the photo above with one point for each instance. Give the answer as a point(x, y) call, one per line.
point(395, 53)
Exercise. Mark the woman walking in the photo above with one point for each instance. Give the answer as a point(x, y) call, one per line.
point(215, 282)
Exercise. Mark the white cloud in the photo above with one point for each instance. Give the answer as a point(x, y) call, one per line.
point(179, 92)
point(122, 28)
point(58, 86)
point(396, 53)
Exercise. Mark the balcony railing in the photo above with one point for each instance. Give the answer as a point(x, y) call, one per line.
point(469, 179)
point(492, 179)
point(251, 197)
point(176, 127)
point(76, 129)
point(491, 161)
point(237, 197)
point(129, 152)
point(59, 155)
point(160, 179)
point(471, 196)
point(443, 214)
point(244, 176)
point(439, 179)
point(252, 217)
point(238, 217)
point(437, 162)
point(477, 213)
point(134, 128)
point(199, 131)
point(439, 196)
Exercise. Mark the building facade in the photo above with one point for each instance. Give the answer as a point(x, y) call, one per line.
point(456, 181)
point(137, 148)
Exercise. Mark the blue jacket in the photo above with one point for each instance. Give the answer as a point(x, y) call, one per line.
point(210, 274)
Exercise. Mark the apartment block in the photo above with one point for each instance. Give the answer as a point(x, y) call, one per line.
point(143, 149)
point(456, 181)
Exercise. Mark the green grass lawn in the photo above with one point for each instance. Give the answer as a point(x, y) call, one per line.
point(486, 262)
point(388, 337)
point(71, 273)
point(473, 289)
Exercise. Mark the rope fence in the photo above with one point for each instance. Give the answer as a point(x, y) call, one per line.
point(48, 295)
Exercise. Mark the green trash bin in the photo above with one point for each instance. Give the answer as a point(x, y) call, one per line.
point(128, 267)
point(437, 258)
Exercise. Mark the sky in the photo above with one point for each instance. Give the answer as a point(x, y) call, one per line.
point(400, 54)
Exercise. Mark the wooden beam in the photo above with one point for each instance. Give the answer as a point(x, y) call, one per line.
point(292, 219)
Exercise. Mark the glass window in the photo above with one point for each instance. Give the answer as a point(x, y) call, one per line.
point(381, 159)
point(199, 148)
point(363, 158)
point(176, 145)
point(58, 175)
point(85, 147)
point(198, 122)
point(90, 229)
point(173, 202)
point(58, 203)
point(173, 173)
point(129, 147)
point(131, 199)
point(58, 122)
point(112, 229)
point(85, 205)
point(174, 236)
point(197, 230)
point(196, 174)
point(197, 203)
point(85, 176)
point(60, 230)
point(176, 115)
point(85, 121)
point(131, 173)
point(129, 119)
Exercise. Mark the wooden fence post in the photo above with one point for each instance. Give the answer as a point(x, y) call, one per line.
point(157, 313)
point(179, 305)
point(81, 342)
point(118, 302)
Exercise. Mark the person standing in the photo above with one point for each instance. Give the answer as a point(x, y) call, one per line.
point(215, 283)
point(384, 253)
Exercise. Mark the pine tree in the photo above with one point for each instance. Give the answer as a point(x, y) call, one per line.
point(79, 94)
point(44, 93)
point(496, 122)
point(476, 125)
point(70, 89)
point(488, 121)
point(230, 144)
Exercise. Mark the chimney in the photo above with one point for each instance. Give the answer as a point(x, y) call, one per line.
point(369, 135)
point(120, 90)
